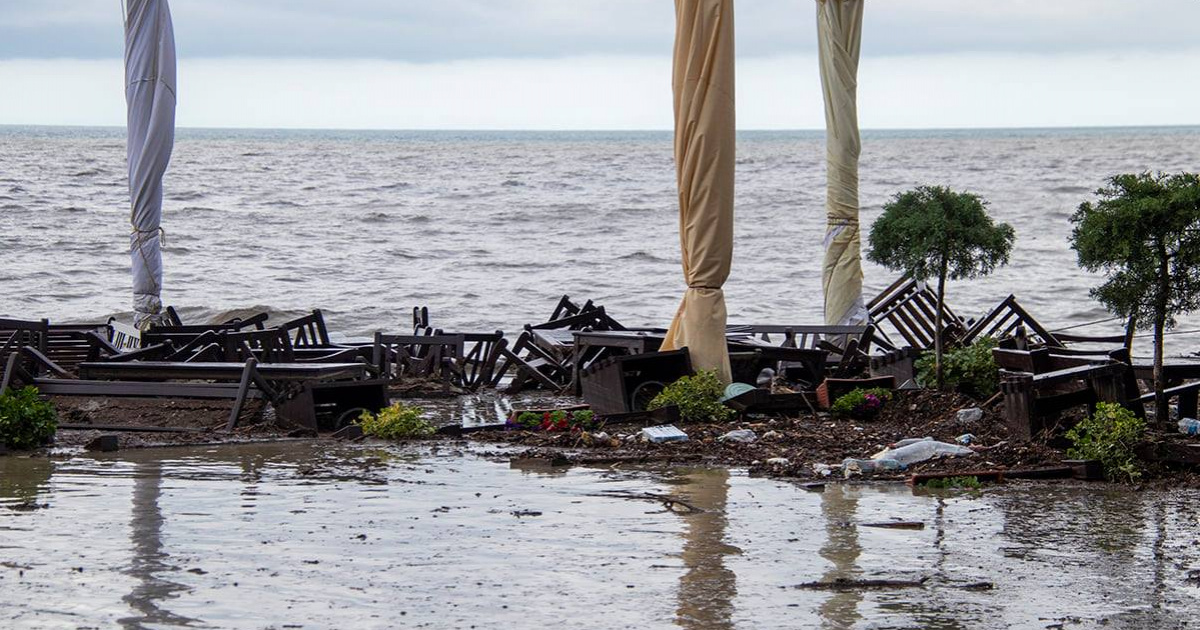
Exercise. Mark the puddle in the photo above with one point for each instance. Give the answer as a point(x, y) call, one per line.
point(319, 535)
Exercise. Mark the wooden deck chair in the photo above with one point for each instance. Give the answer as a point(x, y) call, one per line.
point(398, 357)
point(909, 309)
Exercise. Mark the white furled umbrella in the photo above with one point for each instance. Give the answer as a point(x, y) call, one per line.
point(704, 161)
point(839, 33)
point(150, 98)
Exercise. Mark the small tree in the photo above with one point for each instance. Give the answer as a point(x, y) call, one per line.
point(1144, 234)
point(934, 231)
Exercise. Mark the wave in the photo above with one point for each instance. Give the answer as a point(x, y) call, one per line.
point(643, 256)
point(87, 172)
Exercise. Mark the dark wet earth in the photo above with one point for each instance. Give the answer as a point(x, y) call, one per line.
point(318, 535)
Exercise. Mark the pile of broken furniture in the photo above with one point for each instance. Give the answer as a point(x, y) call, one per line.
point(310, 382)
point(580, 350)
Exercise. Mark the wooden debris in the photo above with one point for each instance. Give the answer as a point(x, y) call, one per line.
point(853, 584)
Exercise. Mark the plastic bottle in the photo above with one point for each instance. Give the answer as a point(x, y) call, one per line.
point(852, 467)
point(1189, 426)
point(925, 449)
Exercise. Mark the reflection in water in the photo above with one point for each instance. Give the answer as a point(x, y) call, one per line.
point(149, 559)
point(839, 503)
point(707, 589)
point(22, 478)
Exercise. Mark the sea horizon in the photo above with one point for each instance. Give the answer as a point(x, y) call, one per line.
point(803, 132)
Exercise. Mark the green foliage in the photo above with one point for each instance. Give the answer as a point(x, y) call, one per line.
point(1109, 436)
point(861, 403)
point(932, 230)
point(971, 370)
point(969, 482)
point(26, 421)
point(698, 398)
point(529, 419)
point(396, 422)
point(1144, 235)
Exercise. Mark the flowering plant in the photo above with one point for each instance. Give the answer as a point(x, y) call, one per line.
point(862, 404)
point(557, 420)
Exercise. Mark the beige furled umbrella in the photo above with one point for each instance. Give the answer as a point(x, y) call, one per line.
point(704, 161)
point(839, 33)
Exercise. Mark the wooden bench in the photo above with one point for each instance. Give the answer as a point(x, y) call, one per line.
point(296, 389)
point(1038, 385)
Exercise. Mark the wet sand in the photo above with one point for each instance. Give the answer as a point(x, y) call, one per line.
point(324, 535)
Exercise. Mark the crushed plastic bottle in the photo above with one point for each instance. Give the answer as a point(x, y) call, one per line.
point(1189, 426)
point(853, 467)
point(745, 436)
point(923, 450)
point(969, 415)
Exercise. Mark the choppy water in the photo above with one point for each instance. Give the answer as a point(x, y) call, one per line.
point(488, 229)
point(314, 535)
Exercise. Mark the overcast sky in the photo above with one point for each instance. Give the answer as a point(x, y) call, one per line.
point(605, 64)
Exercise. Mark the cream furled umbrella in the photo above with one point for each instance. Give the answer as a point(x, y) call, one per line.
point(150, 98)
point(704, 161)
point(839, 33)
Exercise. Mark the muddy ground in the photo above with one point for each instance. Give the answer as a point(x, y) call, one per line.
point(785, 446)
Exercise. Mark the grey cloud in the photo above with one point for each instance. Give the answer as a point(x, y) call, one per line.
point(439, 30)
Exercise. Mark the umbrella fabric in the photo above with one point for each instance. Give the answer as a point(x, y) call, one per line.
point(704, 160)
point(150, 98)
point(839, 33)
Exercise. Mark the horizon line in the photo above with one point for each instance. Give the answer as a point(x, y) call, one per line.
point(628, 130)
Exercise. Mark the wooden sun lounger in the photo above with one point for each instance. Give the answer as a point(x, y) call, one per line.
point(910, 309)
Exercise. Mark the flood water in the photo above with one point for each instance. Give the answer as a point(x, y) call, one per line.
point(318, 535)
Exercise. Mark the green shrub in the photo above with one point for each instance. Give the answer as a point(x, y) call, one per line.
point(26, 421)
point(971, 482)
point(698, 398)
point(971, 369)
point(396, 422)
point(1109, 436)
point(861, 403)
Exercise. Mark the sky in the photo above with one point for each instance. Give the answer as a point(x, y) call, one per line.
point(606, 64)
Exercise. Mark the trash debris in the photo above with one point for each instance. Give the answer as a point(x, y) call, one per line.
point(778, 461)
point(772, 435)
point(1189, 426)
point(850, 584)
point(895, 525)
point(823, 470)
point(969, 415)
point(765, 377)
point(922, 450)
point(663, 433)
point(966, 439)
point(733, 390)
point(745, 436)
point(854, 467)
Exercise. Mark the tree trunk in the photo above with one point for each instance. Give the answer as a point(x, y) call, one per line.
point(1161, 412)
point(938, 343)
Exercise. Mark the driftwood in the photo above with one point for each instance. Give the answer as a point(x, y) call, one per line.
point(853, 584)
point(670, 503)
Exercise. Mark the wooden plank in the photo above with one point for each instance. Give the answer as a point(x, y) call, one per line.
point(219, 371)
point(137, 389)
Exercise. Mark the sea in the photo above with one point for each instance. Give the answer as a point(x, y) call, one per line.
point(489, 228)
